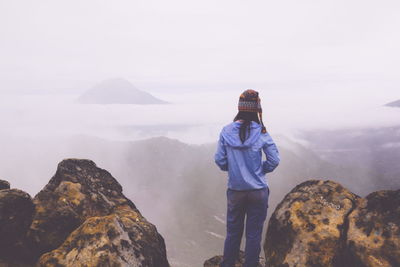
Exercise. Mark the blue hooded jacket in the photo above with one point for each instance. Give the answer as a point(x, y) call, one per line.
point(243, 162)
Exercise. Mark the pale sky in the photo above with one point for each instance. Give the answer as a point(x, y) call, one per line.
point(72, 44)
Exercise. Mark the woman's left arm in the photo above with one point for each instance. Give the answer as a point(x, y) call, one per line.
point(220, 157)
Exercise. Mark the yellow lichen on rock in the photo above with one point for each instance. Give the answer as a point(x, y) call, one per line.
point(374, 262)
point(310, 218)
point(87, 245)
point(70, 192)
point(84, 219)
point(374, 230)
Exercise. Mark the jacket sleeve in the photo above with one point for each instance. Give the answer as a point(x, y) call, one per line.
point(220, 157)
point(272, 154)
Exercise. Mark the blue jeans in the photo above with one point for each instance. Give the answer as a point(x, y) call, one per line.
point(253, 204)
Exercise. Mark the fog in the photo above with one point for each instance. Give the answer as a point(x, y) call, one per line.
point(38, 131)
point(324, 67)
point(49, 45)
point(197, 117)
point(317, 65)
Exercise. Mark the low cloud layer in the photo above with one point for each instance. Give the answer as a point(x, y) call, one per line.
point(197, 117)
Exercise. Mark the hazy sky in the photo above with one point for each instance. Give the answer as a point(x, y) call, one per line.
point(71, 44)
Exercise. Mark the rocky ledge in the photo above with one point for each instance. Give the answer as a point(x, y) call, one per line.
point(4, 185)
point(80, 218)
point(321, 223)
point(216, 261)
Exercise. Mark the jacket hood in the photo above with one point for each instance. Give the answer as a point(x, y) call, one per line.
point(230, 133)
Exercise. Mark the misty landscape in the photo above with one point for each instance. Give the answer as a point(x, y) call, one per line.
point(144, 94)
point(176, 184)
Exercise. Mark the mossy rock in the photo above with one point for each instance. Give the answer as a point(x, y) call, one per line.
point(308, 228)
point(373, 237)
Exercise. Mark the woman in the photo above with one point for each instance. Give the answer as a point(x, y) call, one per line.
point(239, 153)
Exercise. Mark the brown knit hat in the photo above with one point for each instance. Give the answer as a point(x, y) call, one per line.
point(249, 101)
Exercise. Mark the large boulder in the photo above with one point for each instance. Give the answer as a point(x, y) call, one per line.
point(216, 261)
point(4, 185)
point(16, 211)
point(308, 227)
point(79, 190)
point(124, 238)
point(373, 237)
point(82, 214)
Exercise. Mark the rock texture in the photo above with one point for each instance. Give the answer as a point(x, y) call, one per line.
point(121, 239)
point(80, 218)
point(4, 185)
point(320, 223)
point(110, 227)
point(16, 211)
point(373, 237)
point(216, 261)
point(79, 190)
point(5, 263)
point(307, 227)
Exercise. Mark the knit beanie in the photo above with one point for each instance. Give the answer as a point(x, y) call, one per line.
point(249, 101)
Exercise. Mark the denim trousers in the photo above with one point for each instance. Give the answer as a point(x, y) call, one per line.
point(253, 205)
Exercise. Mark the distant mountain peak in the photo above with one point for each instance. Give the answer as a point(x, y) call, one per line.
point(394, 104)
point(117, 91)
point(118, 81)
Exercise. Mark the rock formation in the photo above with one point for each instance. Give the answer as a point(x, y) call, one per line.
point(79, 190)
point(307, 226)
point(122, 239)
point(320, 223)
point(4, 185)
point(16, 211)
point(373, 238)
point(216, 261)
point(81, 218)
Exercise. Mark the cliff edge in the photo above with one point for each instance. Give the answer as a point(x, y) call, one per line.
point(321, 223)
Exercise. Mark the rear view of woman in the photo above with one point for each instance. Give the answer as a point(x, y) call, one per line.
point(239, 153)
